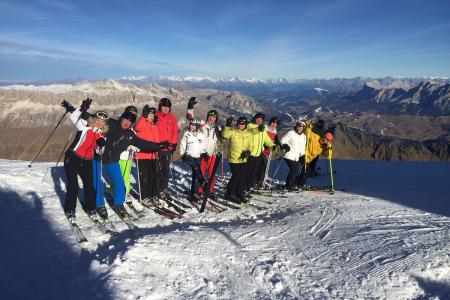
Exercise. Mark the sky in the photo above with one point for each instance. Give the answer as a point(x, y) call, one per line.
point(62, 39)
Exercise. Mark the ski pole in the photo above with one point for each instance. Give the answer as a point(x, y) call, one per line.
point(45, 143)
point(139, 180)
point(279, 164)
point(68, 140)
point(331, 175)
point(266, 173)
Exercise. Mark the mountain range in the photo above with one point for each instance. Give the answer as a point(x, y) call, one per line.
point(386, 108)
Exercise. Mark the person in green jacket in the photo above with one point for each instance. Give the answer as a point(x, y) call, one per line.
point(260, 139)
point(241, 143)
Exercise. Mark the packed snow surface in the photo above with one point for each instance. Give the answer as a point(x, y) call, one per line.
point(386, 236)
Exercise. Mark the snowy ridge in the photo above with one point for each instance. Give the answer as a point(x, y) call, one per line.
point(381, 238)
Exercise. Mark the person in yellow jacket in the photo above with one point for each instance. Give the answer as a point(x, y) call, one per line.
point(260, 139)
point(241, 143)
point(315, 146)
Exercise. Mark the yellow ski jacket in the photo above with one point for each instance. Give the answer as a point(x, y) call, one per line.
point(314, 147)
point(260, 139)
point(240, 140)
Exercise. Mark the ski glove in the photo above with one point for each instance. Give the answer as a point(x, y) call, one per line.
point(101, 142)
point(145, 111)
point(191, 103)
point(245, 154)
point(69, 107)
point(285, 147)
point(204, 155)
point(85, 104)
point(261, 127)
point(163, 145)
point(229, 121)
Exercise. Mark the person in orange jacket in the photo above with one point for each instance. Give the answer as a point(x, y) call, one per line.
point(147, 129)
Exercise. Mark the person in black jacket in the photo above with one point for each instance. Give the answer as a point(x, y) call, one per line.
point(118, 138)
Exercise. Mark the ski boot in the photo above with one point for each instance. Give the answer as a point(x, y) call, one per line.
point(102, 212)
point(94, 216)
point(70, 215)
point(121, 211)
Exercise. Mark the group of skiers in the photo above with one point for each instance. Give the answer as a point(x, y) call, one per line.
point(106, 147)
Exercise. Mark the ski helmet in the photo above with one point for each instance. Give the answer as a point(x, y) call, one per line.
point(165, 102)
point(299, 124)
point(258, 115)
point(129, 115)
point(132, 109)
point(328, 136)
point(101, 115)
point(242, 120)
point(274, 120)
point(213, 112)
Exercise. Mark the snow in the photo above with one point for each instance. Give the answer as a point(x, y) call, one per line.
point(385, 237)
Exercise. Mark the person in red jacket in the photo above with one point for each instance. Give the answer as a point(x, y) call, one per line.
point(78, 158)
point(147, 130)
point(271, 129)
point(168, 131)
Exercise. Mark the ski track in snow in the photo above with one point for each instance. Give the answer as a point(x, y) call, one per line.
point(303, 246)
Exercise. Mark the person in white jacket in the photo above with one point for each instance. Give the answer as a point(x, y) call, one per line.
point(212, 134)
point(191, 149)
point(296, 141)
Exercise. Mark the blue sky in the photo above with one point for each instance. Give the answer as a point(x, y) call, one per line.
point(61, 39)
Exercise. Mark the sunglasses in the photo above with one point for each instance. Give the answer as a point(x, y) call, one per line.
point(101, 115)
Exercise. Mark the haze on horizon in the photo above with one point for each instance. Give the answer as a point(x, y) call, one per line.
point(61, 39)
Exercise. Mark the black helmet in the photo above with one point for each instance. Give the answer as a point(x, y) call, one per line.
point(132, 109)
point(258, 115)
point(213, 112)
point(129, 115)
point(274, 120)
point(165, 102)
point(242, 120)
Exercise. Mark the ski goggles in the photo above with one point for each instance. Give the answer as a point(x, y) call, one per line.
point(101, 115)
point(212, 113)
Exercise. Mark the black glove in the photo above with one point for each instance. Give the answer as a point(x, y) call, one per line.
point(229, 121)
point(191, 103)
point(163, 145)
point(184, 157)
point(204, 155)
point(285, 147)
point(101, 142)
point(85, 104)
point(69, 108)
point(261, 127)
point(145, 111)
point(245, 154)
point(173, 147)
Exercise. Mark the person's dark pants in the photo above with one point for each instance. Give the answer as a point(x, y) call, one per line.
point(303, 177)
point(262, 168)
point(238, 181)
point(197, 177)
point(293, 173)
point(254, 164)
point(312, 164)
point(148, 177)
point(74, 166)
point(164, 169)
